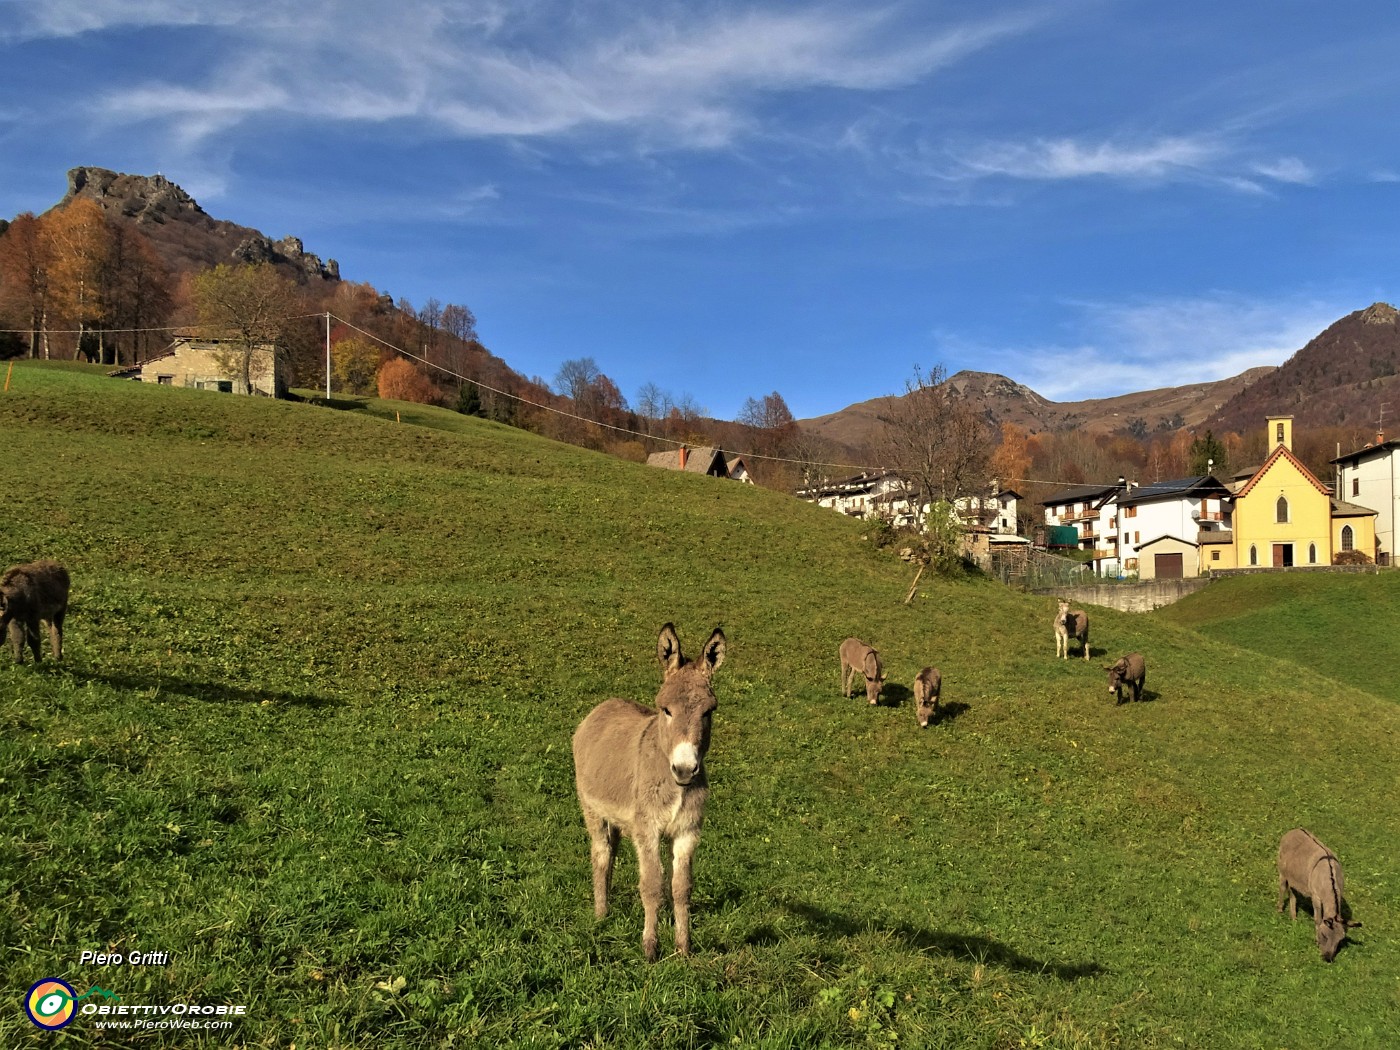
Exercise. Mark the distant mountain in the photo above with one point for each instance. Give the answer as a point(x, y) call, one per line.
point(188, 238)
point(1340, 379)
point(1004, 400)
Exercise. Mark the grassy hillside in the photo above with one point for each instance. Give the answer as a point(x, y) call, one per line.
point(1345, 626)
point(311, 738)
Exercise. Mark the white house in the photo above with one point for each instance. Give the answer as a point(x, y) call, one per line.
point(1181, 510)
point(1116, 521)
point(1370, 477)
point(879, 494)
point(995, 512)
point(1091, 510)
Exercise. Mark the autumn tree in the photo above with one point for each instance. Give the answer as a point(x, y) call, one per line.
point(26, 258)
point(1011, 462)
point(400, 380)
point(355, 365)
point(459, 321)
point(771, 424)
point(936, 442)
point(139, 294)
point(248, 305)
point(82, 245)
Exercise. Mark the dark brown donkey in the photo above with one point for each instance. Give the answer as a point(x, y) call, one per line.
point(640, 772)
point(28, 594)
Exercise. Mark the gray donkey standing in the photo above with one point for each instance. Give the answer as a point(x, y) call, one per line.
point(31, 593)
point(640, 772)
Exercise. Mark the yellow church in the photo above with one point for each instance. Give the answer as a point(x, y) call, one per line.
point(1284, 517)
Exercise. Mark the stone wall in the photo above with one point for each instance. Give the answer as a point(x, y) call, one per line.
point(1130, 597)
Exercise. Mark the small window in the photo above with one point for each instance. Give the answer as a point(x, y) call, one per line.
point(1356, 486)
point(224, 386)
point(165, 380)
point(1348, 538)
point(1282, 510)
point(1214, 555)
point(1312, 553)
point(1278, 435)
point(1253, 554)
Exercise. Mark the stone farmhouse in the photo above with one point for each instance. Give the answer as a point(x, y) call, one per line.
point(216, 364)
point(711, 462)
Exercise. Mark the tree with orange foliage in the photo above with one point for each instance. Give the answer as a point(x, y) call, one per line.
point(1011, 462)
point(82, 250)
point(400, 380)
point(26, 257)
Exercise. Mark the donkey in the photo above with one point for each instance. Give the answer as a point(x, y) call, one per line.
point(640, 772)
point(1130, 670)
point(30, 593)
point(927, 686)
point(1071, 623)
point(856, 656)
point(1306, 866)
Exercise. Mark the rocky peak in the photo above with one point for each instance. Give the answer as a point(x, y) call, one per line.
point(144, 198)
point(1379, 313)
point(185, 233)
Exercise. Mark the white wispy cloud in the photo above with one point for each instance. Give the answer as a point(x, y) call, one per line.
point(1068, 159)
point(471, 70)
point(1146, 344)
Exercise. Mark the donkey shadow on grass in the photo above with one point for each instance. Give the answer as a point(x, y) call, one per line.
point(211, 692)
point(969, 947)
point(895, 696)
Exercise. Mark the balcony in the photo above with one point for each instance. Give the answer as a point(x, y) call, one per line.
point(1210, 515)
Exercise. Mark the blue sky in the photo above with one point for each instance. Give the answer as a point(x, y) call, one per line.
point(1090, 196)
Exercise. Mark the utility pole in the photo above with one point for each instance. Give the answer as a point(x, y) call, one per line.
point(328, 355)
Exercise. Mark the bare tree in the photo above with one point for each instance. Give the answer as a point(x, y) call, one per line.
point(934, 440)
point(249, 305)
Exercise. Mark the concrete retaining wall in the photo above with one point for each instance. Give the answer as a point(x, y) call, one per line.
point(1131, 597)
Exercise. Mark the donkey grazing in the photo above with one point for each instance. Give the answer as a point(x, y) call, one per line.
point(1130, 670)
point(28, 594)
point(856, 656)
point(1306, 866)
point(927, 686)
point(1071, 623)
point(640, 772)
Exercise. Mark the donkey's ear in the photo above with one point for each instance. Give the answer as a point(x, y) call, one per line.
point(668, 649)
point(712, 655)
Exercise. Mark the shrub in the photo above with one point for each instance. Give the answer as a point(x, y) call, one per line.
point(400, 380)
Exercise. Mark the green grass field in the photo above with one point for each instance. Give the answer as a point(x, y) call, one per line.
point(311, 738)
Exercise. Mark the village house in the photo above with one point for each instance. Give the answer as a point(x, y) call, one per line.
point(216, 364)
point(879, 494)
point(1162, 526)
point(1091, 511)
point(1370, 477)
point(711, 462)
point(994, 513)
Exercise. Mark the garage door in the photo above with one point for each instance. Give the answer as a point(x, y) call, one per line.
point(1168, 566)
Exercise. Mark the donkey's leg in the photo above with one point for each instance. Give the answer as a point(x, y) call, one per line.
point(682, 851)
point(56, 634)
point(603, 847)
point(649, 882)
point(31, 632)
